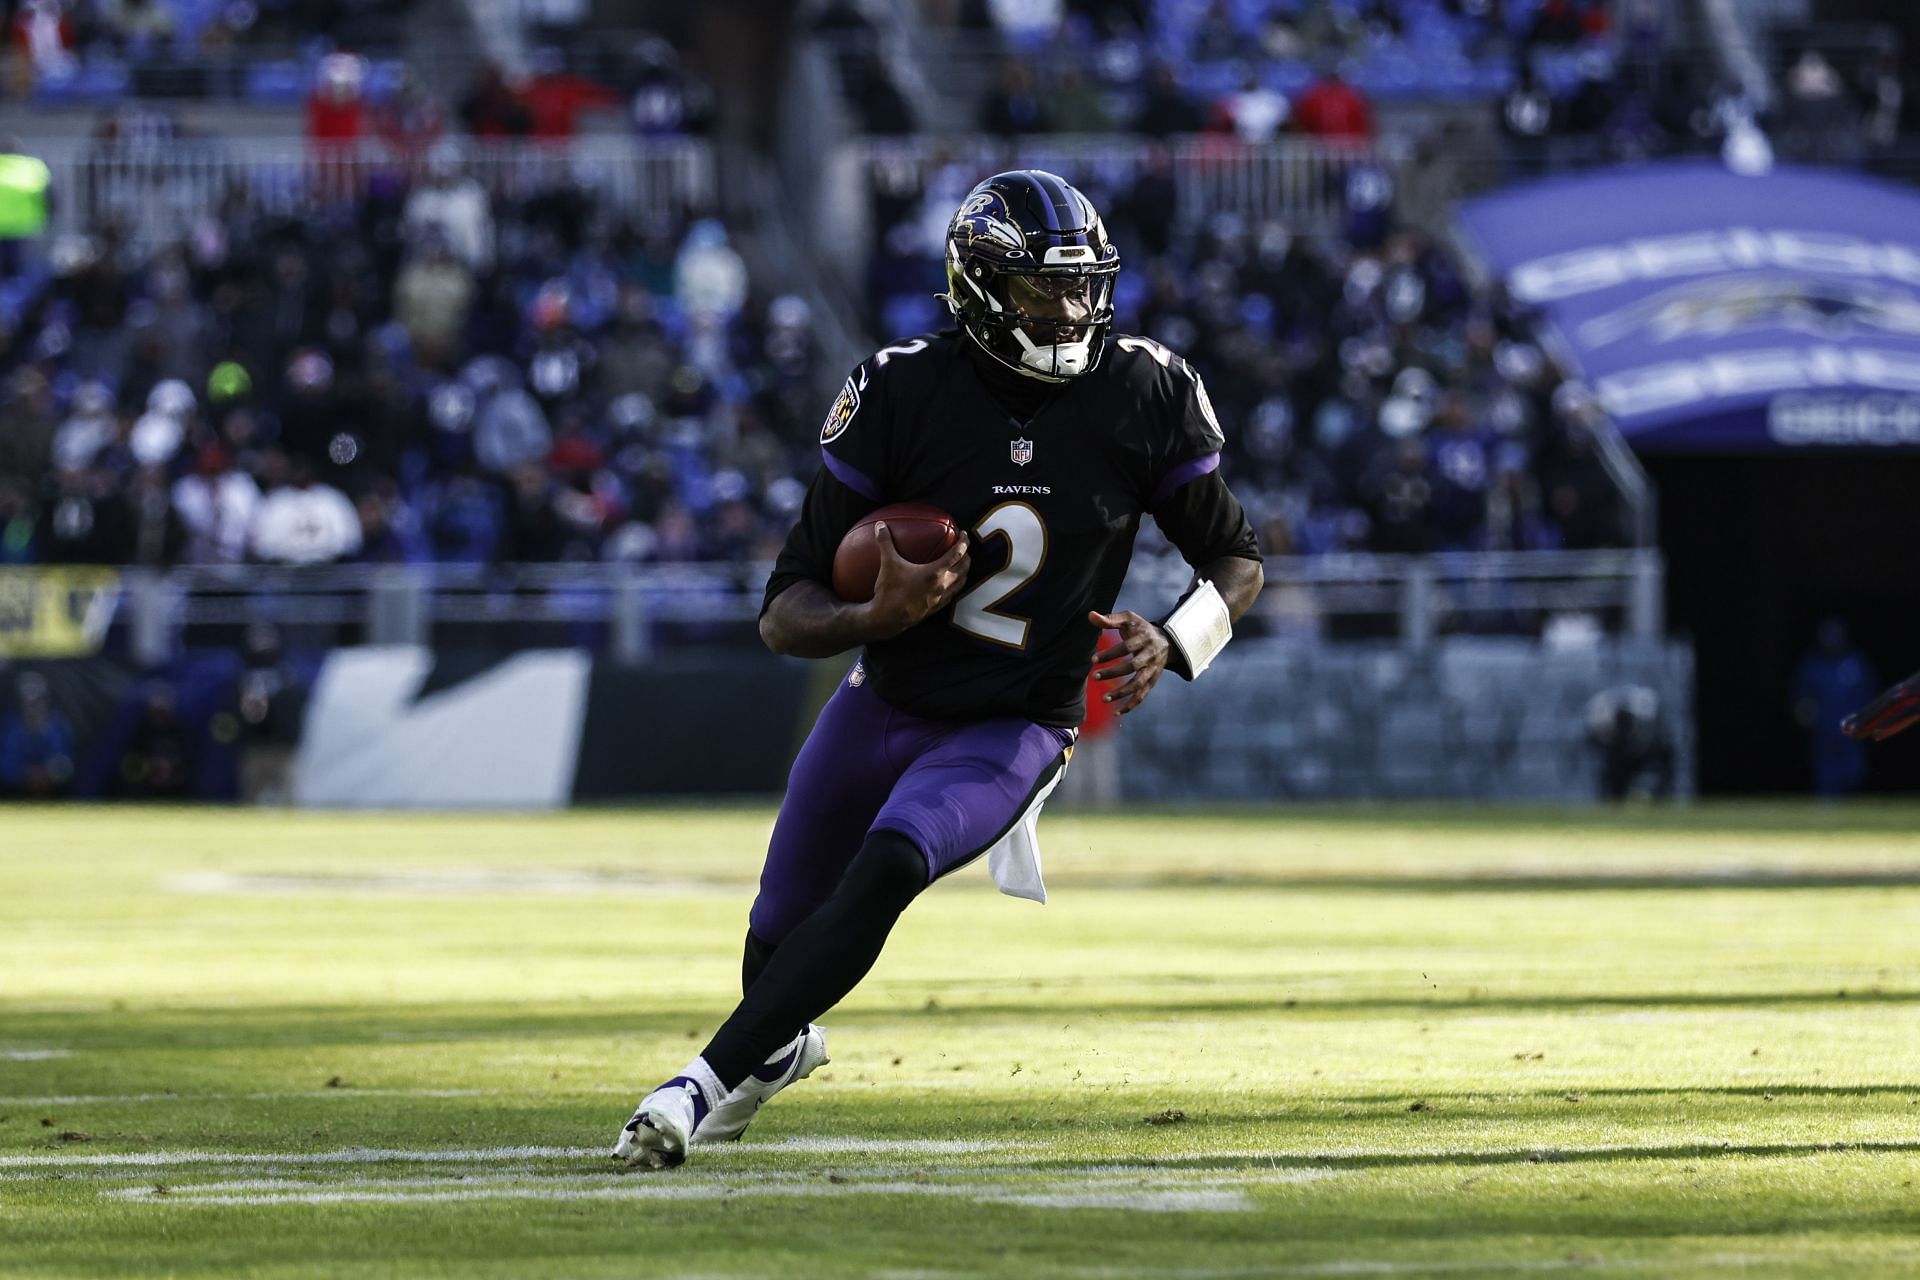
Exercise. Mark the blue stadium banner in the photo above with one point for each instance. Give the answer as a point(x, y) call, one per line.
point(55, 612)
point(1713, 311)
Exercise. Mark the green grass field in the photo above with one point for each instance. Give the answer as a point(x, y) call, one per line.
point(1388, 1043)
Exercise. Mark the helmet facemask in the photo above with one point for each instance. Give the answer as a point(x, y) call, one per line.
point(1045, 324)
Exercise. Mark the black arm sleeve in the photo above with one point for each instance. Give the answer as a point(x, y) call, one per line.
point(1206, 522)
point(831, 508)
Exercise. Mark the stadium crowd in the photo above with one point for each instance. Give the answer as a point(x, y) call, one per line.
point(59, 51)
point(438, 373)
point(431, 373)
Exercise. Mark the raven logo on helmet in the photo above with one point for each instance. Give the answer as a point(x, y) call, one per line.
point(1030, 274)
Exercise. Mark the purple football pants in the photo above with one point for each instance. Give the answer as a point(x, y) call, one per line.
point(954, 788)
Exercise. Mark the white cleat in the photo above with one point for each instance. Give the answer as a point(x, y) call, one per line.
point(799, 1059)
point(658, 1134)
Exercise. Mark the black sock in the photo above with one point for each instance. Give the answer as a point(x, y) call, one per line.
point(823, 959)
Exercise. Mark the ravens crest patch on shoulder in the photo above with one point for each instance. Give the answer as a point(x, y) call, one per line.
point(841, 415)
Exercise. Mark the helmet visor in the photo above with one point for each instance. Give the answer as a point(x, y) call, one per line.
point(1056, 308)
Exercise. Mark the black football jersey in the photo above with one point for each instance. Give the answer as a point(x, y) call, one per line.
point(1051, 505)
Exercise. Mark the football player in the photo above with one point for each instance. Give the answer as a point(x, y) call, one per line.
point(1046, 438)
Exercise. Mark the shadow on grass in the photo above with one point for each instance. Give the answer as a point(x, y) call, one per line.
point(267, 1027)
point(1559, 1093)
point(1374, 1159)
point(1281, 1004)
point(1573, 880)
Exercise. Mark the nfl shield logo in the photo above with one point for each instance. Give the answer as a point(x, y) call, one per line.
point(1022, 452)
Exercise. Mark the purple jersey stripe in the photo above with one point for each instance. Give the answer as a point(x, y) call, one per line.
point(1180, 475)
point(856, 479)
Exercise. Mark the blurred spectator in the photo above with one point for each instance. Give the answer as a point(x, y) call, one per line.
point(510, 429)
point(1833, 679)
point(431, 299)
point(180, 326)
point(217, 505)
point(27, 423)
point(1218, 38)
point(454, 205)
point(1255, 113)
point(492, 109)
point(1165, 108)
point(158, 761)
point(1590, 107)
point(138, 28)
point(1818, 120)
point(16, 523)
point(302, 521)
point(1527, 119)
point(1015, 108)
point(709, 277)
point(1636, 753)
point(336, 110)
point(1555, 23)
point(272, 703)
point(866, 73)
point(555, 97)
point(667, 98)
point(36, 744)
point(42, 37)
point(409, 120)
point(156, 535)
point(1333, 109)
point(1076, 106)
point(1884, 97)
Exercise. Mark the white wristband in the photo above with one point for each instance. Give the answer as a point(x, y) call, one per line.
point(1200, 628)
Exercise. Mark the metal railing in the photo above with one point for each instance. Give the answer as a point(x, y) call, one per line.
point(630, 610)
point(1299, 181)
point(157, 190)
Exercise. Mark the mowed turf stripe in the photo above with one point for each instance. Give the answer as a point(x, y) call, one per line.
point(483, 1155)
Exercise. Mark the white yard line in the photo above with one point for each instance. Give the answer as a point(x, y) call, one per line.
point(33, 1055)
point(292, 1172)
point(1175, 1200)
point(867, 1146)
point(485, 1155)
point(351, 1155)
point(107, 1099)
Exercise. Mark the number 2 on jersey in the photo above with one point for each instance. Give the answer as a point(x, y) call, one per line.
point(1026, 537)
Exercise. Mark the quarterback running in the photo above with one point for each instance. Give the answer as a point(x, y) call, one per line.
point(1046, 438)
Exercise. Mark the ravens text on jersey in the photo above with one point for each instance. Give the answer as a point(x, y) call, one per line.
point(1051, 502)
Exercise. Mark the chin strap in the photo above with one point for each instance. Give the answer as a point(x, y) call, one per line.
point(1198, 629)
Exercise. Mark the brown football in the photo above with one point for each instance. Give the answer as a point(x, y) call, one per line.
point(920, 533)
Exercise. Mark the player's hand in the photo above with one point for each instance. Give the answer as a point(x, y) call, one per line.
point(1137, 661)
point(906, 594)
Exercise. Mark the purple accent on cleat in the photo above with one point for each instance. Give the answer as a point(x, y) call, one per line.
point(700, 1104)
point(767, 1073)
